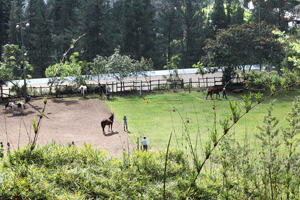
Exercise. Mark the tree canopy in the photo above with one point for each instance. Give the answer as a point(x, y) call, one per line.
point(242, 45)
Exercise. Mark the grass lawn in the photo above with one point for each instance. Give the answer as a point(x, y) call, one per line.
point(152, 116)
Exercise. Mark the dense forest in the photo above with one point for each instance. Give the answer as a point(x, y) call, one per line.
point(150, 29)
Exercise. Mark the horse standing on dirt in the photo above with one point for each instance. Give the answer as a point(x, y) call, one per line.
point(216, 91)
point(82, 89)
point(13, 106)
point(108, 122)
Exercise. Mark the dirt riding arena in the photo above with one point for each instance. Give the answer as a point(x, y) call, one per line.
point(64, 121)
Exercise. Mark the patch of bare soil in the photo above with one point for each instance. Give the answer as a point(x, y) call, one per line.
point(64, 121)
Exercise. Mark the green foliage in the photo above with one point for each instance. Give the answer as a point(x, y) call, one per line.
point(120, 66)
point(123, 66)
point(173, 79)
point(10, 67)
point(264, 11)
point(98, 66)
point(143, 66)
point(259, 97)
point(292, 49)
point(291, 142)
point(66, 70)
point(218, 16)
point(201, 68)
point(247, 102)
point(242, 45)
point(263, 79)
point(291, 78)
point(55, 171)
point(270, 163)
point(235, 111)
point(37, 36)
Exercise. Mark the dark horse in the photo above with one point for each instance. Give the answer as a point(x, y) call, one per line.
point(108, 122)
point(216, 91)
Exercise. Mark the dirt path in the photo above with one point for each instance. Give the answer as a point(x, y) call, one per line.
point(64, 122)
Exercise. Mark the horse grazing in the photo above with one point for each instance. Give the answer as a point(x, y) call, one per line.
point(108, 122)
point(82, 89)
point(13, 106)
point(216, 91)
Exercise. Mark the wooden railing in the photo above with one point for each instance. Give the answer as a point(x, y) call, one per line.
point(115, 87)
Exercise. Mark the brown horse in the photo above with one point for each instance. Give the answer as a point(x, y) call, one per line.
point(216, 91)
point(108, 122)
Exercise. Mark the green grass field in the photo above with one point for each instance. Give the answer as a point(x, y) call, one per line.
point(156, 119)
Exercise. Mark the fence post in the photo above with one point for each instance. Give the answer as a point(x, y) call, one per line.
point(1, 92)
point(214, 81)
point(158, 85)
point(190, 85)
point(112, 89)
point(150, 85)
point(141, 89)
point(106, 88)
point(41, 90)
point(34, 92)
point(198, 82)
point(133, 85)
point(206, 82)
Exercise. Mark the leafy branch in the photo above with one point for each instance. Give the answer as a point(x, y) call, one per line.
point(36, 127)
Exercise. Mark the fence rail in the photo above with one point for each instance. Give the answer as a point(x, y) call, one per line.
point(115, 87)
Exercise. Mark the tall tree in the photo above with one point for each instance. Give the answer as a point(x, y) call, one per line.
point(139, 36)
point(64, 21)
point(218, 17)
point(241, 45)
point(169, 30)
point(234, 12)
point(95, 23)
point(193, 37)
point(5, 6)
point(117, 23)
point(14, 34)
point(38, 40)
point(273, 12)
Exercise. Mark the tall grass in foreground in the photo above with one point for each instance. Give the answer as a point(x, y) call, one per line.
point(68, 172)
point(272, 173)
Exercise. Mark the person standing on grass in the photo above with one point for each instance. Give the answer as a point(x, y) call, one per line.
point(145, 144)
point(125, 123)
point(224, 93)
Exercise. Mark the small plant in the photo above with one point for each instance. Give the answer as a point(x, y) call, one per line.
point(270, 162)
point(259, 97)
point(247, 102)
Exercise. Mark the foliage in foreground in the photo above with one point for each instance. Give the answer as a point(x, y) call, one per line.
point(67, 172)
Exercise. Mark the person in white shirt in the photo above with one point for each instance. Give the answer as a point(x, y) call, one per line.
point(145, 144)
